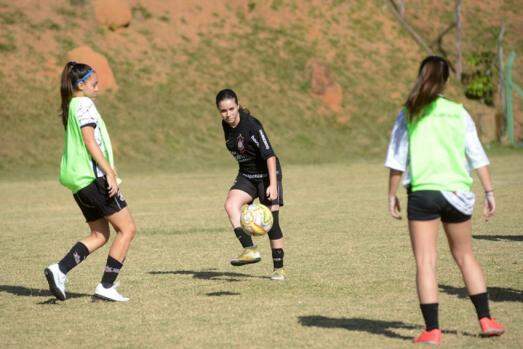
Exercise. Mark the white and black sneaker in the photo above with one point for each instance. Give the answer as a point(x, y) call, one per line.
point(56, 280)
point(109, 294)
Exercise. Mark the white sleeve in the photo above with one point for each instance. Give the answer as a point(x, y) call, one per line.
point(398, 151)
point(474, 152)
point(86, 112)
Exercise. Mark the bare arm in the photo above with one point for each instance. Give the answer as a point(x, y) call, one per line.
point(490, 203)
point(272, 190)
point(96, 154)
point(394, 203)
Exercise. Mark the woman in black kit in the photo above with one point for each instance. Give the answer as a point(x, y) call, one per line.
point(259, 177)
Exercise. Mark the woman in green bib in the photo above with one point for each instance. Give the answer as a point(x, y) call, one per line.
point(434, 144)
point(87, 169)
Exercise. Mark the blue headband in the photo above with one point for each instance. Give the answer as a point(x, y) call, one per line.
point(86, 76)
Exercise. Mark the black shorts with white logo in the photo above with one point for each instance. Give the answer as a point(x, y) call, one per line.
point(95, 203)
point(426, 205)
point(257, 188)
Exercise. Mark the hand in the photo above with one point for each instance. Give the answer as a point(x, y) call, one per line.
point(489, 207)
point(394, 207)
point(112, 185)
point(272, 192)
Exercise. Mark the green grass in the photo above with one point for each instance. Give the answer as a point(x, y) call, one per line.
point(351, 271)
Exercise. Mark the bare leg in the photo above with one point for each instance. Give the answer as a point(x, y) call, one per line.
point(233, 205)
point(423, 236)
point(459, 236)
point(99, 235)
point(123, 223)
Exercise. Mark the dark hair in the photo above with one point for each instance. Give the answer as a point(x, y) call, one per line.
point(72, 74)
point(432, 76)
point(229, 94)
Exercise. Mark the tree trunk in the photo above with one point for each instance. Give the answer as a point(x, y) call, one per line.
point(401, 8)
point(409, 29)
point(501, 88)
point(459, 67)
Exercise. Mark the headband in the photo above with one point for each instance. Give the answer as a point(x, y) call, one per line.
point(85, 77)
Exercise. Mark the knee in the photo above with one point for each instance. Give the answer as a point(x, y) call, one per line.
point(230, 207)
point(462, 258)
point(426, 262)
point(129, 231)
point(100, 237)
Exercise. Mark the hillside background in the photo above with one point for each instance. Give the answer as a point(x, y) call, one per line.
point(173, 56)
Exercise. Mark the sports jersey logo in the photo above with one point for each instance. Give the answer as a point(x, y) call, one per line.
point(241, 145)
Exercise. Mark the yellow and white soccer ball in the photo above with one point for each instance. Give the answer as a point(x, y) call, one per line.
point(256, 219)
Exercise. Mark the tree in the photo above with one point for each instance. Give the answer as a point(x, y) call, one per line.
point(459, 66)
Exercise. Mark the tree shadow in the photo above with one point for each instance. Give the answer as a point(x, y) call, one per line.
point(222, 293)
point(378, 327)
point(496, 294)
point(499, 237)
point(23, 291)
point(210, 274)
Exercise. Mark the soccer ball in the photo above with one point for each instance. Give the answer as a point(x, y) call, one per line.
point(256, 219)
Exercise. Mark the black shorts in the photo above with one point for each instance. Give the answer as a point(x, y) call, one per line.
point(257, 188)
point(95, 203)
point(426, 205)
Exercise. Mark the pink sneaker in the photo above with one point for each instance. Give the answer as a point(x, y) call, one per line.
point(489, 327)
point(429, 337)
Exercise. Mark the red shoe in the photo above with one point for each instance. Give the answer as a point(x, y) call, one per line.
point(429, 337)
point(489, 327)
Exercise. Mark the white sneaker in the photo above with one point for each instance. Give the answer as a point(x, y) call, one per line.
point(109, 294)
point(56, 280)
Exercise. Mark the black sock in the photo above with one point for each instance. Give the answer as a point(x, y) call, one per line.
point(430, 314)
point(245, 239)
point(480, 302)
point(75, 256)
point(112, 268)
point(277, 258)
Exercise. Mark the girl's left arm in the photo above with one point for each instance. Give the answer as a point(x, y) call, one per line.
point(394, 203)
point(272, 190)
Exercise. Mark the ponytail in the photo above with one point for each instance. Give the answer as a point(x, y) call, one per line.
point(72, 74)
point(432, 77)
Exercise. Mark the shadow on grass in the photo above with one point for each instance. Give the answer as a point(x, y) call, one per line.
point(210, 274)
point(499, 237)
point(222, 293)
point(496, 294)
point(378, 327)
point(23, 291)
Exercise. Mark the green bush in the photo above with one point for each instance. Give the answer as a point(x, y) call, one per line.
point(479, 82)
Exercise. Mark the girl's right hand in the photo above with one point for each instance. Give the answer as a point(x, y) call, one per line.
point(394, 207)
point(112, 185)
point(490, 205)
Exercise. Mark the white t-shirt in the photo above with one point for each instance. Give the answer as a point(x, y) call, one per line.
point(88, 116)
point(398, 158)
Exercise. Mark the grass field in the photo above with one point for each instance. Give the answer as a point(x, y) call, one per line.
point(350, 267)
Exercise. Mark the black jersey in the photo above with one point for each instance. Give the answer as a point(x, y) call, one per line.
point(250, 146)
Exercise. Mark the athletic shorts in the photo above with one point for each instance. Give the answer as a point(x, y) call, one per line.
point(95, 203)
point(257, 188)
point(426, 205)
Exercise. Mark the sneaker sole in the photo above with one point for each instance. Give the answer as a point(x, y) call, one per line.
point(52, 285)
point(103, 298)
point(240, 263)
point(492, 333)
